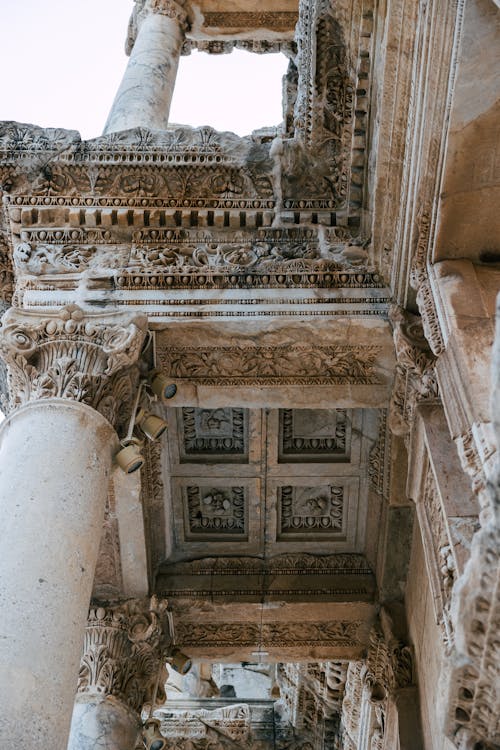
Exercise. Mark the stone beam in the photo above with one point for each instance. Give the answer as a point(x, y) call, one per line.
point(279, 632)
point(313, 364)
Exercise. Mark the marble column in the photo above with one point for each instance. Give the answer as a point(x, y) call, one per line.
point(145, 93)
point(119, 670)
point(69, 376)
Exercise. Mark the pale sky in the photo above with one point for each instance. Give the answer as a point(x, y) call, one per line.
point(62, 62)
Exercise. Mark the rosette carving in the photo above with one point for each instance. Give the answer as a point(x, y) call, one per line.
point(72, 354)
point(122, 654)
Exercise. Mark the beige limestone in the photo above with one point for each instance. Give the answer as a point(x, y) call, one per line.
point(55, 460)
point(267, 266)
point(133, 553)
point(469, 226)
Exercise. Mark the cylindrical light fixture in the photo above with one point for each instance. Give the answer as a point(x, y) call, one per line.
point(151, 425)
point(162, 386)
point(130, 458)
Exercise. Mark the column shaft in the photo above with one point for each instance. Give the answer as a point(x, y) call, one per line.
point(55, 460)
point(145, 93)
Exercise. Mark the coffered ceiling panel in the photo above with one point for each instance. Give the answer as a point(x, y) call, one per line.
point(268, 481)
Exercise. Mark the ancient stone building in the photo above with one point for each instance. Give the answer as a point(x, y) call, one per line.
point(311, 310)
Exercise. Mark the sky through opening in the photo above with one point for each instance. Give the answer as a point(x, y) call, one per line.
point(63, 60)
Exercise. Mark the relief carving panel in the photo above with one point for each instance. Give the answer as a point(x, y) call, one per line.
point(215, 512)
point(310, 511)
point(309, 435)
point(281, 634)
point(213, 435)
point(295, 364)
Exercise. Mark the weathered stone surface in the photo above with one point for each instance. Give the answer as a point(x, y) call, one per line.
point(321, 297)
point(52, 503)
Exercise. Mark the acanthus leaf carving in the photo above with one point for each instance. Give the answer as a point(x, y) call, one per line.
point(72, 354)
point(415, 374)
point(123, 649)
point(419, 279)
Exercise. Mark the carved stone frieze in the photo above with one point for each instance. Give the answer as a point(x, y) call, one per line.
point(377, 675)
point(287, 274)
point(473, 684)
point(312, 696)
point(292, 577)
point(420, 282)
point(33, 257)
point(108, 581)
point(282, 565)
point(226, 46)
point(439, 556)
point(72, 354)
point(231, 721)
point(265, 365)
point(276, 21)
point(153, 504)
point(474, 451)
point(379, 458)
point(17, 138)
point(6, 273)
point(340, 633)
point(371, 686)
point(351, 705)
point(122, 653)
point(264, 252)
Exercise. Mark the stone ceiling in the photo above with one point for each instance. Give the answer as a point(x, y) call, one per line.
point(262, 483)
point(252, 497)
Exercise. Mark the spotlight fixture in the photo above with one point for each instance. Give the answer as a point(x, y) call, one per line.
point(151, 425)
point(162, 386)
point(151, 735)
point(180, 662)
point(129, 458)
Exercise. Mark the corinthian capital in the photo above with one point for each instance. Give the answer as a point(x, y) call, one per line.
point(171, 8)
point(72, 354)
point(122, 653)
